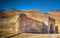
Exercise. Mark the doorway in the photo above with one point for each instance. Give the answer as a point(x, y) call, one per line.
point(51, 28)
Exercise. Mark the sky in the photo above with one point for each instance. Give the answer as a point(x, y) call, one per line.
point(40, 5)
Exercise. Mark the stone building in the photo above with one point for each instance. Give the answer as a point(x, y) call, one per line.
point(22, 23)
point(50, 22)
point(30, 25)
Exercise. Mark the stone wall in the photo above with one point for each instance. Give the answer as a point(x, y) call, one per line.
point(31, 25)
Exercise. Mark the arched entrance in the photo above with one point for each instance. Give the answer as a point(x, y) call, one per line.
point(51, 28)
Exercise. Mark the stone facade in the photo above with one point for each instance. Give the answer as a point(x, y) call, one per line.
point(50, 22)
point(31, 25)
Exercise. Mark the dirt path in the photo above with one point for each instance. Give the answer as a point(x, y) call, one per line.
point(45, 36)
point(29, 35)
